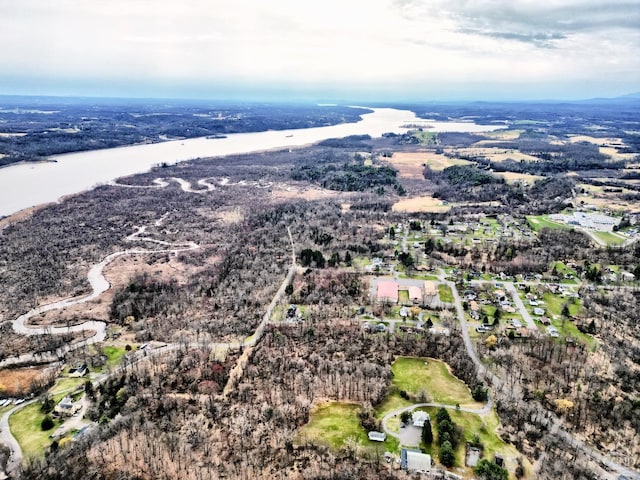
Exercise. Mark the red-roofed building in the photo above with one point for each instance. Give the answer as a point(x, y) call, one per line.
point(387, 292)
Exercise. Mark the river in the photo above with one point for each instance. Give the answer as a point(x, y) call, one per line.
point(27, 185)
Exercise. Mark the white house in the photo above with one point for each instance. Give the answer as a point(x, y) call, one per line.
point(419, 418)
point(377, 436)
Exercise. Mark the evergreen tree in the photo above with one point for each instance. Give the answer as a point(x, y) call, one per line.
point(427, 433)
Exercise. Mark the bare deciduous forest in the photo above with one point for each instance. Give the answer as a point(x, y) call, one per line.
point(169, 416)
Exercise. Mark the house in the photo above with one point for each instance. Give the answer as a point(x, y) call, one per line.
point(79, 371)
point(377, 436)
point(415, 295)
point(552, 331)
point(538, 311)
point(387, 292)
point(419, 418)
point(67, 407)
point(627, 276)
point(430, 291)
point(415, 461)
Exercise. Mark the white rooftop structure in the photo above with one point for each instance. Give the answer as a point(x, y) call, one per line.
point(415, 461)
point(420, 418)
point(377, 436)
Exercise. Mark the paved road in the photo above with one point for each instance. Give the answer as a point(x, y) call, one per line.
point(99, 284)
point(15, 460)
point(510, 287)
point(551, 421)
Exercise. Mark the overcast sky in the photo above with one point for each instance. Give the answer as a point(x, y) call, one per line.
point(328, 49)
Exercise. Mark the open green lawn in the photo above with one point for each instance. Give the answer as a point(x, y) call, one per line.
point(403, 297)
point(277, 314)
point(609, 238)
point(432, 379)
point(562, 269)
point(538, 222)
point(555, 303)
point(426, 138)
point(25, 426)
point(114, 355)
point(67, 385)
point(360, 262)
point(445, 294)
point(418, 276)
point(337, 424)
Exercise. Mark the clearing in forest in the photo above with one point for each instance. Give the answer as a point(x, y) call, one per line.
point(411, 164)
point(424, 203)
point(425, 380)
point(337, 425)
point(512, 177)
point(496, 154)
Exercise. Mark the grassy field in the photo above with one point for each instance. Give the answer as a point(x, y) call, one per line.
point(25, 426)
point(609, 238)
point(512, 177)
point(538, 222)
point(336, 424)
point(403, 297)
point(428, 376)
point(66, 384)
point(426, 138)
point(445, 294)
point(114, 355)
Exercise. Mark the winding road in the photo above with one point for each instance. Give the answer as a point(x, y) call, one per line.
point(99, 284)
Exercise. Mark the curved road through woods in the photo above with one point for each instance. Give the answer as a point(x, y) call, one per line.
point(99, 285)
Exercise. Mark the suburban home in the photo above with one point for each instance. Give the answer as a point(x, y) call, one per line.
point(377, 436)
point(67, 407)
point(79, 371)
point(415, 461)
point(538, 311)
point(627, 276)
point(415, 295)
point(430, 291)
point(387, 292)
point(419, 418)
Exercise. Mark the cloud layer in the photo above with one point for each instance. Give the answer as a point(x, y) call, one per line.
point(423, 48)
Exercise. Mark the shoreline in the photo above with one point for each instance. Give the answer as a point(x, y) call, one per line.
point(27, 186)
point(29, 162)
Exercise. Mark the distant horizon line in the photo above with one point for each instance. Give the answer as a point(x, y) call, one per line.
point(320, 101)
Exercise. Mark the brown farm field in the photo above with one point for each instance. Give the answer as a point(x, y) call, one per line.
point(15, 382)
point(496, 154)
point(512, 177)
point(411, 164)
point(420, 204)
